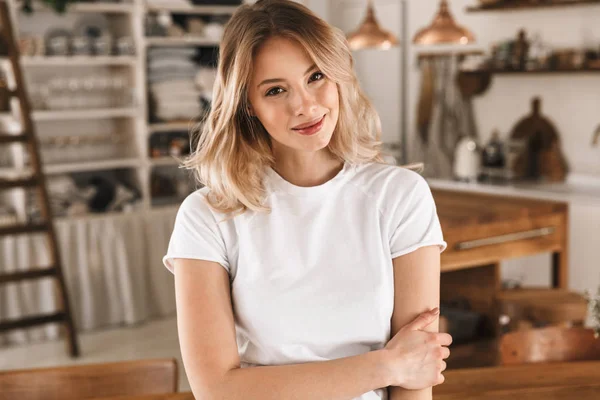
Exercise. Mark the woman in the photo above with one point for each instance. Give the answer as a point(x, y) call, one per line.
point(304, 253)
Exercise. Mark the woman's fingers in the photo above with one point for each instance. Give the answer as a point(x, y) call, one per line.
point(445, 353)
point(443, 339)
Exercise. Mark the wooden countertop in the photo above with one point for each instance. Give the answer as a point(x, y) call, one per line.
point(460, 210)
point(577, 189)
point(557, 381)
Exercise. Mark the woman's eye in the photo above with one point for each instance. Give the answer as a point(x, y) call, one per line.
point(317, 76)
point(274, 91)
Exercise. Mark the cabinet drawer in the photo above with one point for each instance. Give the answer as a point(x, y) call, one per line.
point(482, 244)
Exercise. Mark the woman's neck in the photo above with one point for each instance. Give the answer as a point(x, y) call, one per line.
point(308, 169)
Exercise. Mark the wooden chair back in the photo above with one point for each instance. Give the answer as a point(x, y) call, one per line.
point(549, 345)
point(80, 382)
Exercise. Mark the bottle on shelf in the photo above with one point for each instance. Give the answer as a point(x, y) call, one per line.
point(493, 159)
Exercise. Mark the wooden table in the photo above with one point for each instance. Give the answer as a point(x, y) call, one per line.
point(555, 381)
point(483, 229)
point(168, 396)
point(558, 381)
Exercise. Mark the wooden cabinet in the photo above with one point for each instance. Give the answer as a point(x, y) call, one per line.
point(584, 243)
point(482, 230)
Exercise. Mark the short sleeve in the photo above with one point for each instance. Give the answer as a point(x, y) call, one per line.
point(414, 220)
point(196, 234)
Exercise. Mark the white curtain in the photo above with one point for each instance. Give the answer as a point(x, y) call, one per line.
point(113, 270)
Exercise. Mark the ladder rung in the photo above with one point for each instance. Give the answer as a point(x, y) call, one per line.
point(16, 183)
point(12, 324)
point(23, 229)
point(7, 139)
point(29, 274)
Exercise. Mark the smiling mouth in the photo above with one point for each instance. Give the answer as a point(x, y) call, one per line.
point(315, 123)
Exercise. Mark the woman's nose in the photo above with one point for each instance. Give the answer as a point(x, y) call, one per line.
point(303, 102)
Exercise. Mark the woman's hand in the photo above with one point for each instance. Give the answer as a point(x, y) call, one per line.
point(414, 357)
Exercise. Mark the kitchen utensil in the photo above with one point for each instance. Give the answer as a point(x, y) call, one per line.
point(426, 100)
point(57, 41)
point(467, 160)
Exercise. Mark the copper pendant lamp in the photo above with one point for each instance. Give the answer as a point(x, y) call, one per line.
point(370, 35)
point(444, 30)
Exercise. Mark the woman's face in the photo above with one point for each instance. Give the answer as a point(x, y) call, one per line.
point(296, 103)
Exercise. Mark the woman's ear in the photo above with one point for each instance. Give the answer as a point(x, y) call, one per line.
point(250, 111)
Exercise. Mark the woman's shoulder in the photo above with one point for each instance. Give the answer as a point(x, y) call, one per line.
point(195, 205)
point(391, 187)
point(379, 177)
point(196, 199)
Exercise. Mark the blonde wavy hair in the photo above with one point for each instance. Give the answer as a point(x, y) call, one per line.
point(233, 148)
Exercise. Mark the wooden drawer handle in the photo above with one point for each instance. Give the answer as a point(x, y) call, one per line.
point(510, 237)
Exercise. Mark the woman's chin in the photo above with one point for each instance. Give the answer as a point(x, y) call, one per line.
point(313, 143)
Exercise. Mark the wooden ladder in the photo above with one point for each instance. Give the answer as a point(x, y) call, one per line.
point(36, 180)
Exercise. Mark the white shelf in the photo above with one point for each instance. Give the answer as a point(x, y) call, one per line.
point(100, 113)
point(78, 61)
point(209, 10)
point(164, 161)
point(15, 173)
point(91, 166)
point(173, 126)
point(97, 7)
point(453, 49)
point(180, 41)
point(126, 17)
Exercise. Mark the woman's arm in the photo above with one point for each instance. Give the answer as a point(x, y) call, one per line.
point(417, 289)
point(209, 350)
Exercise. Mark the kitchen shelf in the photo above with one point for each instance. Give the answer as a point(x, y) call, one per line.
point(100, 113)
point(181, 41)
point(97, 7)
point(126, 17)
point(536, 72)
point(451, 50)
point(15, 173)
point(194, 10)
point(78, 61)
point(91, 166)
point(170, 126)
point(164, 161)
point(91, 216)
point(531, 6)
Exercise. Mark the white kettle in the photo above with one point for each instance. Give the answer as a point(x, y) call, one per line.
point(467, 160)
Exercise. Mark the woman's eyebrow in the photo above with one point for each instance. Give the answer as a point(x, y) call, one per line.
point(275, 80)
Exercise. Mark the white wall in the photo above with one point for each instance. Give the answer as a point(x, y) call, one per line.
point(571, 101)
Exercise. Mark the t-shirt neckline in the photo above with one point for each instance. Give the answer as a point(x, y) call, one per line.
point(281, 184)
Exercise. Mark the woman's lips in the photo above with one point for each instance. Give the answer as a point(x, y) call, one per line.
point(312, 129)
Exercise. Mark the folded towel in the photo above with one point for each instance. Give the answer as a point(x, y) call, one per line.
point(174, 85)
point(182, 52)
point(164, 77)
point(171, 62)
point(157, 72)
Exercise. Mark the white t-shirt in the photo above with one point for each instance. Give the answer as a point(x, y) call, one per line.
point(313, 280)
